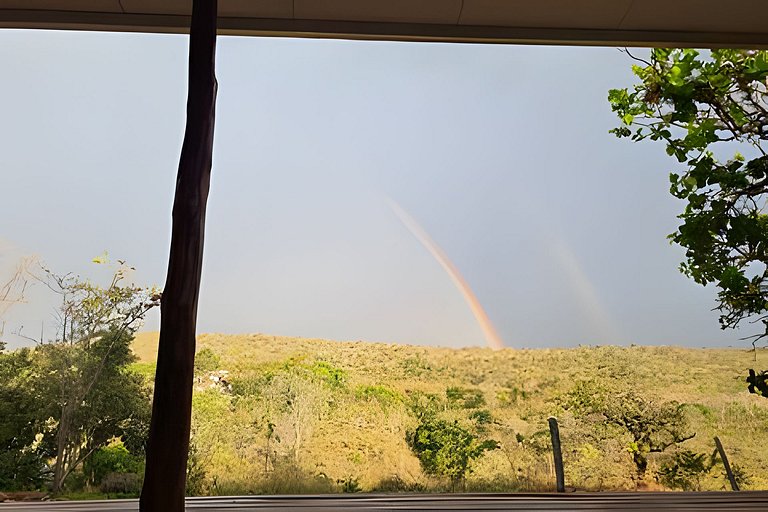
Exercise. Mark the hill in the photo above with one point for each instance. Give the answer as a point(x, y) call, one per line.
point(279, 414)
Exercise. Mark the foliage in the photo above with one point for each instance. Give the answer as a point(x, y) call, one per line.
point(112, 459)
point(652, 426)
point(329, 374)
point(384, 395)
point(758, 383)
point(685, 470)
point(703, 106)
point(196, 481)
point(466, 398)
point(206, 360)
point(350, 485)
point(78, 385)
point(447, 449)
point(22, 464)
point(122, 484)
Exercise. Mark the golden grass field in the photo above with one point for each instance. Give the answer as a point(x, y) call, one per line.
point(356, 431)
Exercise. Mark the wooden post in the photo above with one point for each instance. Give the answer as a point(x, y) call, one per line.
point(724, 458)
point(554, 432)
point(168, 444)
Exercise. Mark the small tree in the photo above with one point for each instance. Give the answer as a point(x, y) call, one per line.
point(82, 373)
point(447, 449)
point(651, 426)
point(685, 470)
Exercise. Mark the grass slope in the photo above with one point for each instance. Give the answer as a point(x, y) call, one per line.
point(351, 433)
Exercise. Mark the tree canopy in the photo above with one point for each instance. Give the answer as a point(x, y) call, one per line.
point(710, 110)
point(71, 395)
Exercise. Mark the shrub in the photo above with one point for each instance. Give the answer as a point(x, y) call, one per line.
point(329, 374)
point(121, 483)
point(350, 485)
point(382, 394)
point(112, 459)
point(447, 449)
point(395, 483)
point(685, 471)
point(207, 361)
point(465, 398)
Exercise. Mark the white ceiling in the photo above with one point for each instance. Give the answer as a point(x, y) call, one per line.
point(740, 23)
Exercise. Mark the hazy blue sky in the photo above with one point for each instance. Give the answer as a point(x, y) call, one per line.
point(502, 153)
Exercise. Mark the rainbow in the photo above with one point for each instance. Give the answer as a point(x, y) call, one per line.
point(489, 331)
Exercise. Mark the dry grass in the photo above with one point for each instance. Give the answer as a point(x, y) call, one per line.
point(355, 436)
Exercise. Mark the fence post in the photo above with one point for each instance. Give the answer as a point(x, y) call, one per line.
point(554, 432)
point(724, 458)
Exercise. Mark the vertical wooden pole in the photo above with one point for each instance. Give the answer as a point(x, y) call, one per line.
point(724, 458)
point(168, 445)
point(554, 432)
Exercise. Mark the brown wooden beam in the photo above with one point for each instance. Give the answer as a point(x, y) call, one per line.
point(168, 445)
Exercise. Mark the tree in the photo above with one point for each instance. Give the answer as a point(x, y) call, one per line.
point(12, 293)
point(168, 445)
point(711, 111)
point(82, 376)
point(447, 449)
point(652, 426)
point(22, 463)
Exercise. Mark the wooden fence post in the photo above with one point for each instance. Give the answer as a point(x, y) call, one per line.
point(724, 458)
point(554, 432)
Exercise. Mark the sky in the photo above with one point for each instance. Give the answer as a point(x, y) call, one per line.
point(501, 153)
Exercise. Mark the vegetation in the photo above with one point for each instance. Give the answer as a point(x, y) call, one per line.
point(71, 396)
point(288, 415)
point(320, 416)
point(711, 112)
point(447, 449)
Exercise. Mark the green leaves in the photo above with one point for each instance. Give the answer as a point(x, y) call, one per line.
point(696, 103)
point(446, 449)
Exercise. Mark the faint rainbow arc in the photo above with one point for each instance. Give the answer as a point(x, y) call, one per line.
point(489, 331)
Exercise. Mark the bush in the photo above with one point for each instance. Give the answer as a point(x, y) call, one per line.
point(396, 484)
point(112, 459)
point(446, 449)
point(121, 483)
point(329, 374)
point(684, 471)
point(465, 398)
point(350, 485)
point(207, 361)
point(288, 478)
point(381, 394)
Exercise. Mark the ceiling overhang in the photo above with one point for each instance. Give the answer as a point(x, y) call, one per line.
point(693, 23)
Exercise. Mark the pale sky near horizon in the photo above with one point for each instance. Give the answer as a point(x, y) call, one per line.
point(501, 153)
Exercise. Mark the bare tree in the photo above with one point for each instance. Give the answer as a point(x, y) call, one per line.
point(12, 292)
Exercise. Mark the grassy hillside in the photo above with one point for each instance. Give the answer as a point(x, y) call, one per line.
point(278, 414)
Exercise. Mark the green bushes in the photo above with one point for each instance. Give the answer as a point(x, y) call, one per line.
point(685, 470)
point(127, 484)
point(111, 459)
point(447, 449)
point(206, 360)
point(385, 396)
point(465, 398)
